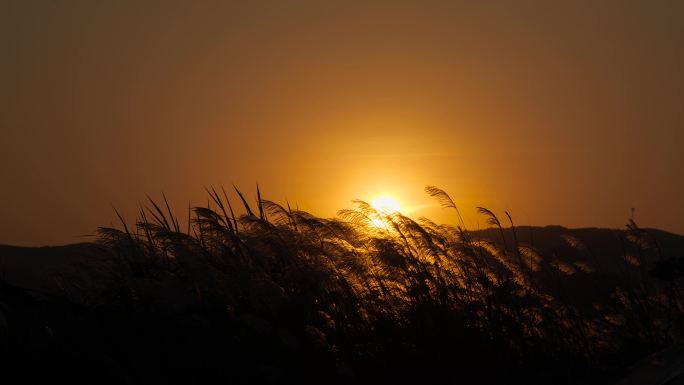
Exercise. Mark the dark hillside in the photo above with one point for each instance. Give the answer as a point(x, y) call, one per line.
point(281, 296)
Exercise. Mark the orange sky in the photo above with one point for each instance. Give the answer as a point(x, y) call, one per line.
point(562, 113)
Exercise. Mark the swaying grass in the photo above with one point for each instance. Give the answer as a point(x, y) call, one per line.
point(406, 300)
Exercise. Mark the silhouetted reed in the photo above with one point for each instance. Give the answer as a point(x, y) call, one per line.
point(379, 294)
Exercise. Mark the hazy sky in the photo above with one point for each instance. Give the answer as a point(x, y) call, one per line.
point(564, 113)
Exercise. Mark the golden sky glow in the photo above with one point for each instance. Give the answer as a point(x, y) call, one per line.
point(559, 112)
point(386, 204)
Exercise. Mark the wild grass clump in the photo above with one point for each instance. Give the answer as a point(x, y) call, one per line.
point(295, 297)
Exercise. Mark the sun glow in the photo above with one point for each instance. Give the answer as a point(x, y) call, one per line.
point(386, 204)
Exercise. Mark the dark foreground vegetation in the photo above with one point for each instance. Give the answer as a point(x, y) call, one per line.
point(280, 296)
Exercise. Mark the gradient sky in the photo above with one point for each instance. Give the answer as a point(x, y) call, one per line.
point(564, 113)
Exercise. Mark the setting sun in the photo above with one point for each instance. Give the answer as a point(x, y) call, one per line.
point(386, 204)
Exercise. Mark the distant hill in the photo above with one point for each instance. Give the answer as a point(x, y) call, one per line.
point(602, 250)
point(44, 269)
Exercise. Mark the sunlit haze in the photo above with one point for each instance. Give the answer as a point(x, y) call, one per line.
point(386, 204)
point(566, 113)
